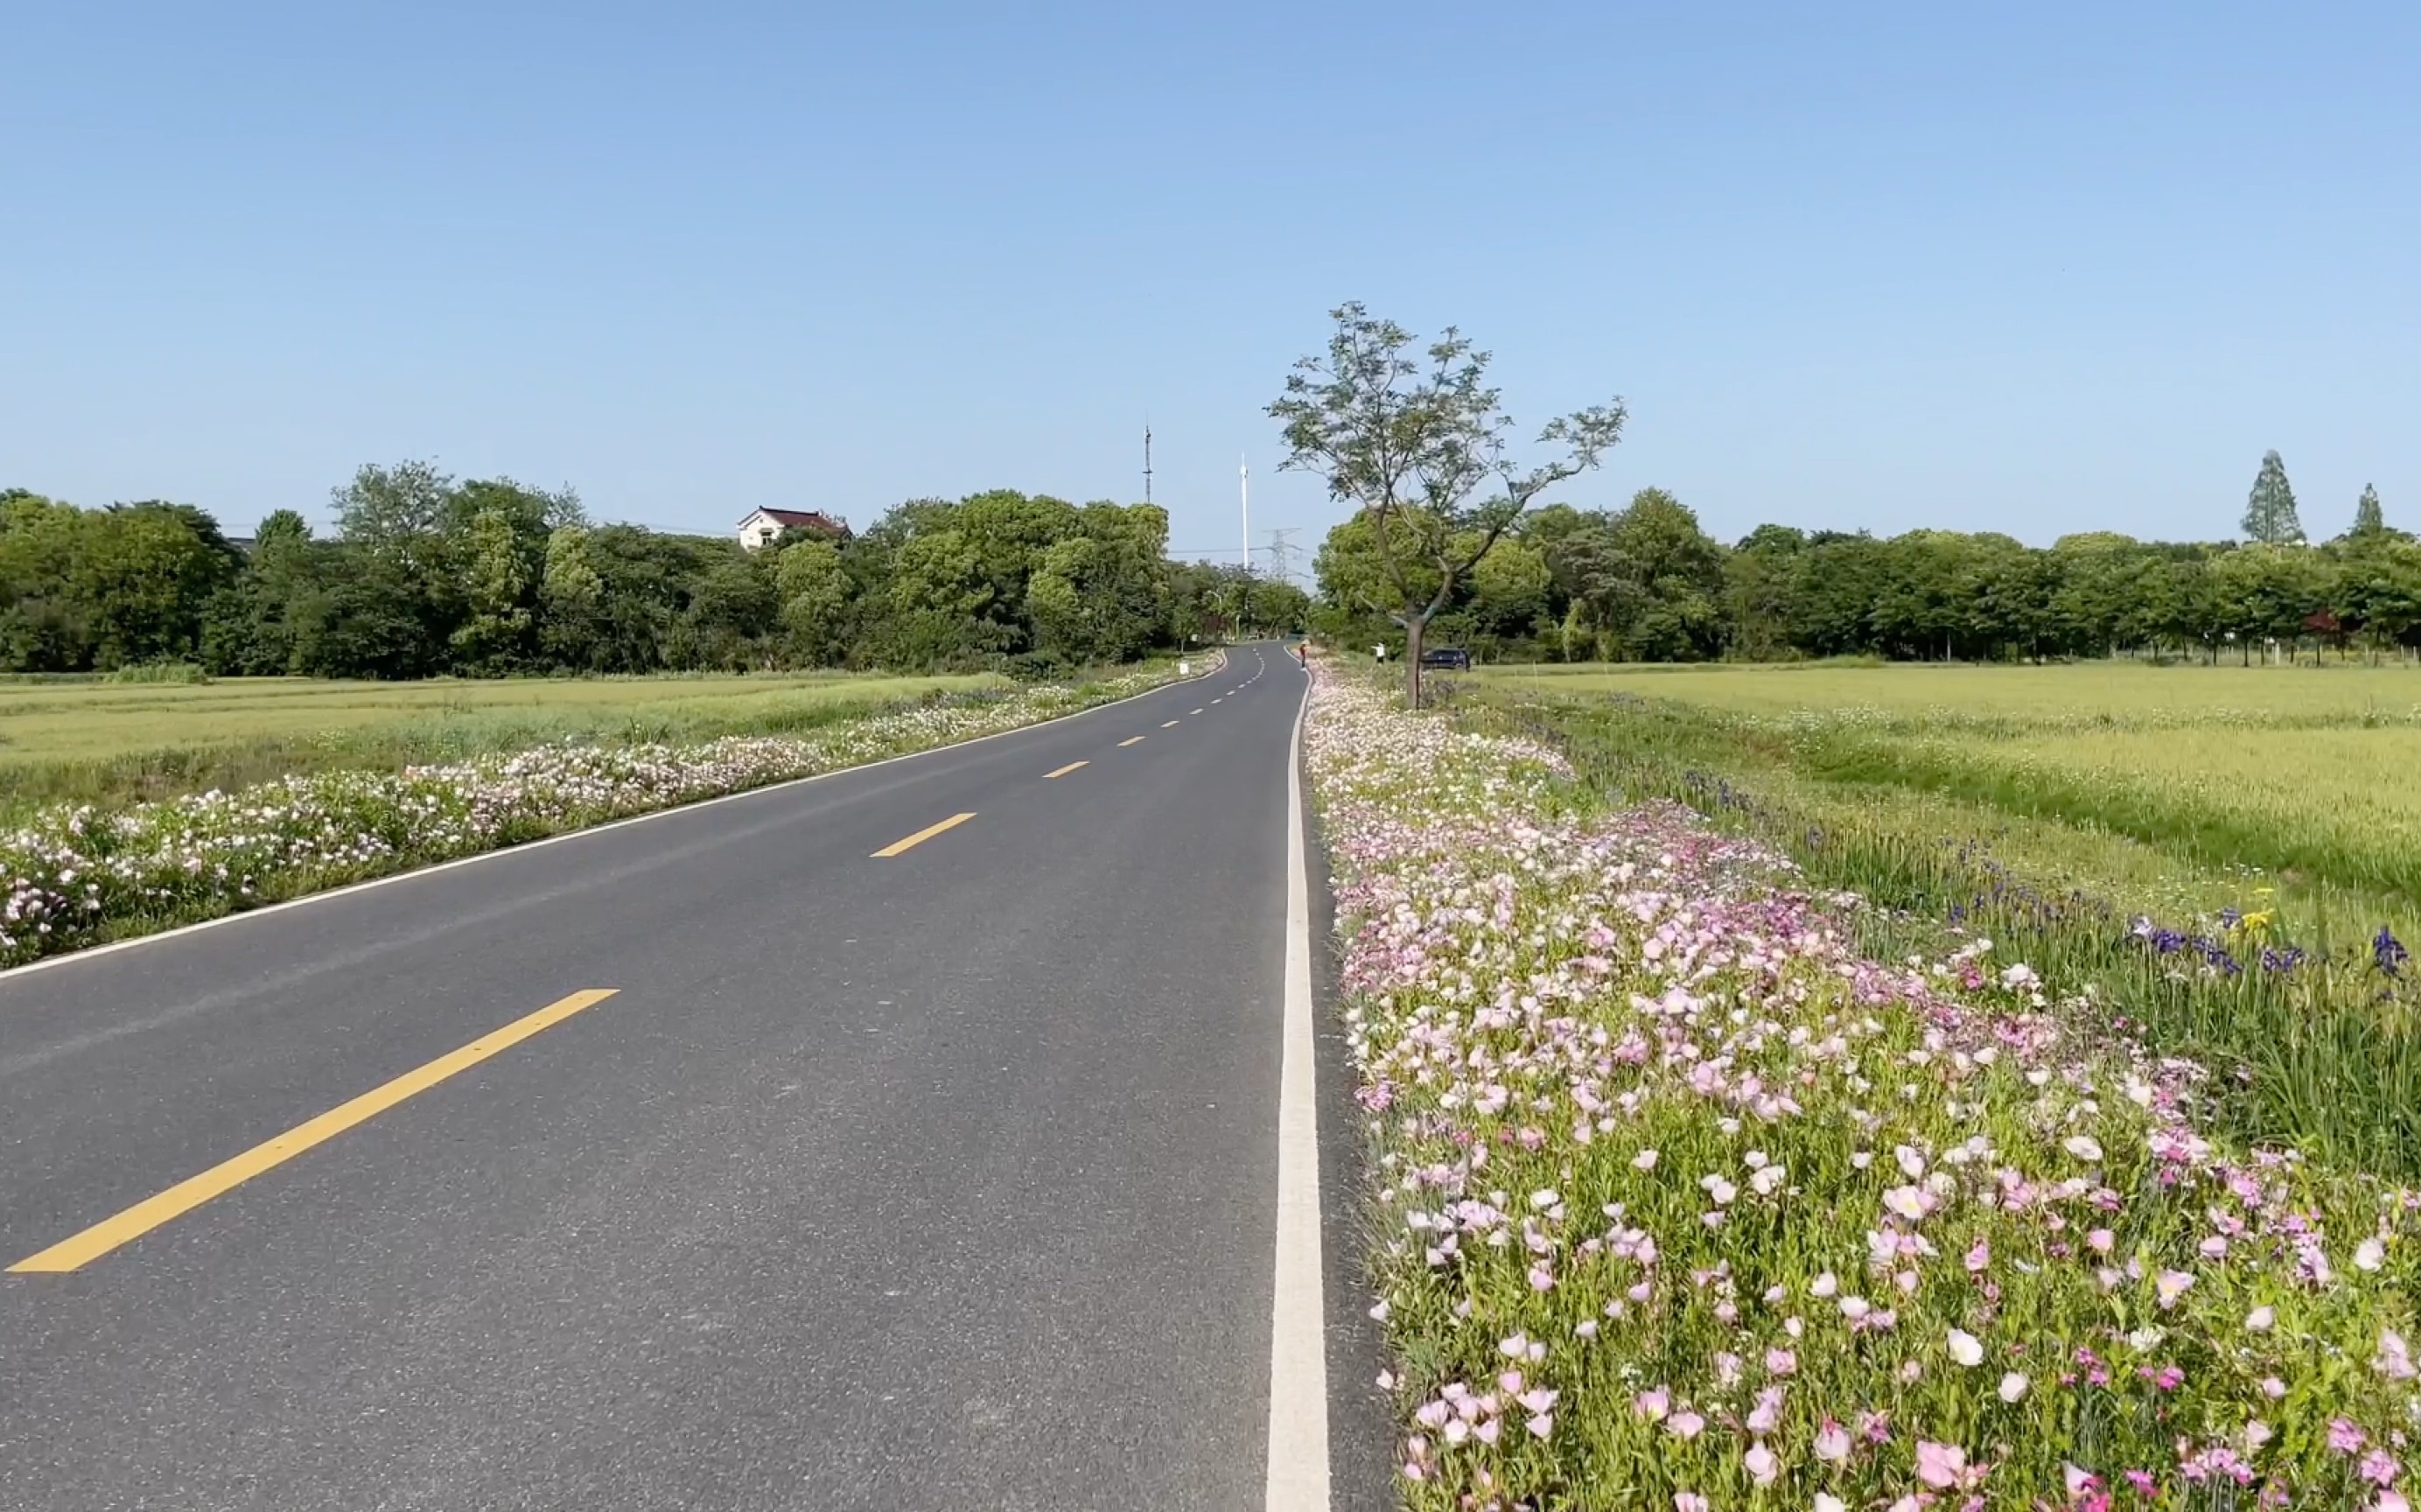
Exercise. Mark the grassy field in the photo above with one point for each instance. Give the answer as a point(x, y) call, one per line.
point(102, 742)
point(2260, 823)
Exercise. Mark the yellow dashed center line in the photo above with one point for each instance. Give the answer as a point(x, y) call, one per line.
point(921, 837)
point(1064, 770)
point(190, 1193)
point(1123, 744)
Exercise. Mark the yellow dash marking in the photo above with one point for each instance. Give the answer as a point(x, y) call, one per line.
point(1123, 744)
point(190, 1193)
point(1064, 770)
point(1170, 725)
point(921, 837)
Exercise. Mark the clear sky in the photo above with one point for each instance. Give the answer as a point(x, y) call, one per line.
point(2039, 268)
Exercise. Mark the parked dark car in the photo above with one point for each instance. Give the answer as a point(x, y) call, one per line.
point(1446, 659)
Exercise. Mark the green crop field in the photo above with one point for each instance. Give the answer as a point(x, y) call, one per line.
point(2218, 849)
point(104, 741)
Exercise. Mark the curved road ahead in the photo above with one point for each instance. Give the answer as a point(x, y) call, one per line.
point(937, 1179)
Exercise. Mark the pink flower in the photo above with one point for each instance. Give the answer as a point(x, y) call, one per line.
point(1689, 1502)
point(1780, 1362)
point(2171, 1284)
point(1653, 1405)
point(1688, 1424)
point(1940, 1465)
point(2394, 1357)
point(1832, 1442)
point(1762, 1467)
point(2345, 1437)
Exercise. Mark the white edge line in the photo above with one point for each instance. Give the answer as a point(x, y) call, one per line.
point(1298, 1439)
point(88, 952)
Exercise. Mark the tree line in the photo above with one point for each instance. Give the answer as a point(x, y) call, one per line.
point(424, 574)
point(1647, 583)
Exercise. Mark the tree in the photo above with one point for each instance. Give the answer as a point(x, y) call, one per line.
point(1275, 604)
point(2269, 517)
point(1758, 578)
point(815, 589)
point(1423, 451)
point(2380, 587)
point(1512, 590)
point(496, 585)
point(571, 599)
point(2367, 521)
point(1677, 581)
point(392, 505)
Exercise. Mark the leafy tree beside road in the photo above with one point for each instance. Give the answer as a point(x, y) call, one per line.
point(1421, 448)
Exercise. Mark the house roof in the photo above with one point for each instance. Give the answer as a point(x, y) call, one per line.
point(799, 519)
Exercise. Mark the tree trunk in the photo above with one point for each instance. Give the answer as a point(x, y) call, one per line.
point(1413, 626)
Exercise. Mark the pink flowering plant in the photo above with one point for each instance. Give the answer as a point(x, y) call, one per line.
point(1684, 1204)
point(75, 874)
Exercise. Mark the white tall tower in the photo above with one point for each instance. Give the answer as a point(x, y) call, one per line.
point(1244, 497)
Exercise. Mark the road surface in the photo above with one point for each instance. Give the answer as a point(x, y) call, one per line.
point(908, 1163)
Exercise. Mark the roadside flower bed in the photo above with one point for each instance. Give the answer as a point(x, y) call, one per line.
point(1684, 1205)
point(76, 875)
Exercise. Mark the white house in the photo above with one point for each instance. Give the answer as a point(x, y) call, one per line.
point(763, 528)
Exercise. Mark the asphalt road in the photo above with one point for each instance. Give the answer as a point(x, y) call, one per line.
point(939, 1179)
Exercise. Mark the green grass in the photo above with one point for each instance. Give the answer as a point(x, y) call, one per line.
point(2050, 807)
point(110, 743)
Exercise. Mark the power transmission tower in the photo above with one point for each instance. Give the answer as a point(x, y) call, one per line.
point(1283, 551)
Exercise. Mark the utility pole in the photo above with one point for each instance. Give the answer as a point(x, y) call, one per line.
point(1244, 497)
point(1146, 461)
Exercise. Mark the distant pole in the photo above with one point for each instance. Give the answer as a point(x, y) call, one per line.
point(1244, 496)
point(1146, 461)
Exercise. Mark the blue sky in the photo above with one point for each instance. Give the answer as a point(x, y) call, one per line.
point(2037, 269)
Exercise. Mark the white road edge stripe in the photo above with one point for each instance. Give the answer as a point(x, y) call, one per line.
point(1298, 1458)
point(70, 957)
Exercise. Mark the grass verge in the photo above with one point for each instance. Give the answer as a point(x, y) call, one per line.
point(1686, 1201)
point(99, 740)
